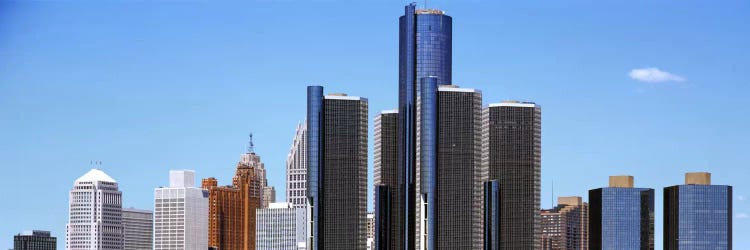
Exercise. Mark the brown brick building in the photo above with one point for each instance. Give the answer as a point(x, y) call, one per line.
point(231, 215)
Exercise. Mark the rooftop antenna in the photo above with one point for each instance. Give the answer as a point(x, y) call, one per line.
point(250, 145)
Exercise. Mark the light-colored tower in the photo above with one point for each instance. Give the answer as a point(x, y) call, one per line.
point(138, 229)
point(95, 220)
point(250, 159)
point(296, 168)
point(566, 225)
point(181, 214)
point(280, 227)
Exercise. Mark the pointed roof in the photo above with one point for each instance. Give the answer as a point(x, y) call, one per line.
point(95, 175)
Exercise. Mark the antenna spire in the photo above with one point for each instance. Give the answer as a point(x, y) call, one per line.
point(250, 144)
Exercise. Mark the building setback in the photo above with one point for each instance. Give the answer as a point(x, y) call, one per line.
point(566, 225)
point(296, 168)
point(280, 227)
point(180, 214)
point(698, 215)
point(95, 220)
point(621, 216)
point(337, 170)
point(34, 240)
point(512, 144)
point(138, 229)
point(389, 231)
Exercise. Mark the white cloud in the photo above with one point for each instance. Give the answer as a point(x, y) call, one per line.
point(654, 75)
point(742, 216)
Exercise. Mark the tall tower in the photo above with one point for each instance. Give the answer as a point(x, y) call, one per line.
point(181, 214)
point(389, 230)
point(337, 170)
point(296, 168)
point(95, 220)
point(512, 138)
point(621, 216)
point(698, 215)
point(425, 49)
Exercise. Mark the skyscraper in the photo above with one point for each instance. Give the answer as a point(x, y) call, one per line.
point(251, 160)
point(512, 144)
point(280, 227)
point(180, 214)
point(566, 225)
point(386, 181)
point(296, 168)
point(34, 240)
point(698, 215)
point(95, 220)
point(425, 50)
point(621, 216)
point(138, 229)
point(232, 209)
point(452, 175)
point(337, 170)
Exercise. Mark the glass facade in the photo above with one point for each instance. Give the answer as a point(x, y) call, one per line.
point(314, 153)
point(386, 176)
point(383, 230)
point(428, 155)
point(621, 218)
point(425, 50)
point(698, 217)
point(492, 215)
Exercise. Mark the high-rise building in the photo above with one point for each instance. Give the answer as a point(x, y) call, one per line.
point(232, 209)
point(95, 220)
point(492, 205)
point(280, 227)
point(698, 215)
point(389, 230)
point(566, 225)
point(337, 170)
point(296, 168)
point(621, 216)
point(425, 50)
point(34, 240)
point(180, 214)
point(138, 229)
point(512, 144)
point(269, 195)
point(451, 175)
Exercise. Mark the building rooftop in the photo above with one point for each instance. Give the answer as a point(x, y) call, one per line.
point(430, 11)
point(95, 175)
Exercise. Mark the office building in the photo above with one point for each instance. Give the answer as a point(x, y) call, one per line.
point(512, 144)
point(296, 168)
point(425, 50)
point(370, 230)
point(250, 159)
point(95, 220)
point(566, 225)
point(232, 209)
point(389, 225)
point(698, 215)
point(34, 240)
point(621, 216)
point(280, 227)
point(180, 214)
point(138, 229)
point(337, 170)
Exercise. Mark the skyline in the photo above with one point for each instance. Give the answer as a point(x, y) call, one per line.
point(210, 152)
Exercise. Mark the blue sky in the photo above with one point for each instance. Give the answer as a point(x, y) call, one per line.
point(149, 86)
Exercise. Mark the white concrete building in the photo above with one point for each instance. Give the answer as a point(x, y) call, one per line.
point(280, 227)
point(370, 230)
point(296, 168)
point(95, 215)
point(181, 214)
point(138, 229)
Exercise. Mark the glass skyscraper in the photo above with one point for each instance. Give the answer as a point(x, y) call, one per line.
point(621, 216)
point(425, 50)
point(337, 170)
point(698, 215)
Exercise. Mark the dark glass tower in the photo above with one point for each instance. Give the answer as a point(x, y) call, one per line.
point(424, 51)
point(492, 215)
point(337, 170)
point(698, 215)
point(389, 230)
point(621, 216)
point(35, 240)
point(512, 133)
